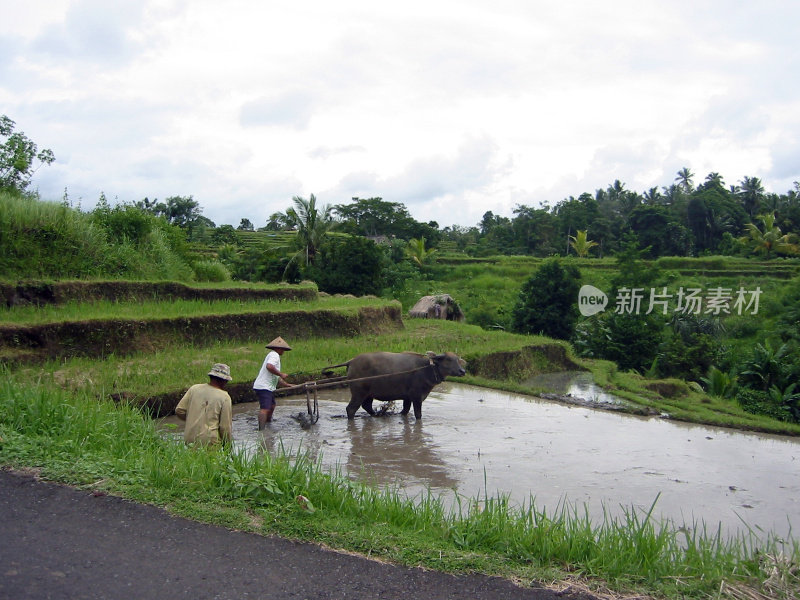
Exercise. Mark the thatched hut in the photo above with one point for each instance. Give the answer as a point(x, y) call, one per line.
point(441, 306)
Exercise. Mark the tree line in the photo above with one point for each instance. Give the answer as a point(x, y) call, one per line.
point(676, 220)
point(680, 219)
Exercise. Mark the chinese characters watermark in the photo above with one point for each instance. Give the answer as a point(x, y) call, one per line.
point(713, 301)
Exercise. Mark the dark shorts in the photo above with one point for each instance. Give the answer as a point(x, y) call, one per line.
point(266, 399)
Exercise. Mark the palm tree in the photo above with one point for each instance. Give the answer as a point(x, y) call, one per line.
point(751, 192)
point(652, 196)
point(770, 239)
point(312, 226)
point(714, 179)
point(581, 244)
point(684, 179)
point(417, 252)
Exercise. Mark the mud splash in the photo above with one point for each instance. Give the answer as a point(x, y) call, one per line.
point(474, 441)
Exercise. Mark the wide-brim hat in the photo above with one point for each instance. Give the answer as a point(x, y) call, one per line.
point(220, 371)
point(279, 344)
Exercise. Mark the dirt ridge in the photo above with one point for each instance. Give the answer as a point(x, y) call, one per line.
point(42, 292)
point(123, 337)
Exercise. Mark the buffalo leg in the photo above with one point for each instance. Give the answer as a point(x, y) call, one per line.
point(418, 408)
point(406, 407)
point(367, 406)
point(352, 407)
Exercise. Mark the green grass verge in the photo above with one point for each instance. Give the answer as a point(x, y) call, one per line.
point(167, 309)
point(73, 438)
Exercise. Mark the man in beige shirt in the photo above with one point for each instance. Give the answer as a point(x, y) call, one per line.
point(206, 408)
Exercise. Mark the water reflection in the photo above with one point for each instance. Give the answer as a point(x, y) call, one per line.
point(394, 449)
point(578, 384)
point(477, 441)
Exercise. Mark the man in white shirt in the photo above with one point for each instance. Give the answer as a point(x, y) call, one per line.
point(269, 379)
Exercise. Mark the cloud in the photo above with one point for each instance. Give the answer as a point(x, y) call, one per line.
point(290, 109)
point(91, 31)
point(325, 152)
point(452, 108)
point(433, 185)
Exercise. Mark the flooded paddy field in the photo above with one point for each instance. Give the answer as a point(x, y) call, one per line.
point(472, 441)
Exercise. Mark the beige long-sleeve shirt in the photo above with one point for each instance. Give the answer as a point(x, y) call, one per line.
point(207, 411)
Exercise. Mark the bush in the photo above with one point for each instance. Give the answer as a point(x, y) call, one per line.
point(211, 270)
point(488, 316)
point(760, 402)
point(548, 301)
point(348, 265)
point(688, 359)
point(398, 277)
point(631, 341)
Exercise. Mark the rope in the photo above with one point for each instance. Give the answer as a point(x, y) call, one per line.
point(341, 379)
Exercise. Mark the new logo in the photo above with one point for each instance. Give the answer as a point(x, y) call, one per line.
point(591, 300)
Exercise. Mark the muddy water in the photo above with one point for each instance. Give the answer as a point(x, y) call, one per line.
point(472, 440)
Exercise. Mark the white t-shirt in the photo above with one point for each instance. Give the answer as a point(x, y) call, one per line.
point(265, 379)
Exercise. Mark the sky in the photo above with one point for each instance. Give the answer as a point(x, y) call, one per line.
point(452, 108)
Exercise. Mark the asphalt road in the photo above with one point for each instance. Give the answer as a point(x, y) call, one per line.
point(60, 542)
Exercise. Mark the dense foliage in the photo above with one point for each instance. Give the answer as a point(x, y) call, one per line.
point(678, 220)
point(349, 265)
point(547, 302)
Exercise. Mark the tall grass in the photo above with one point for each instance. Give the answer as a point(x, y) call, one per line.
point(47, 239)
point(74, 438)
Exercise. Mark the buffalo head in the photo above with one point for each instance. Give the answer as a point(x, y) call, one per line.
point(449, 364)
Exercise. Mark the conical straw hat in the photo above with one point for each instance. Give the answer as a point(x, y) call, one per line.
point(279, 343)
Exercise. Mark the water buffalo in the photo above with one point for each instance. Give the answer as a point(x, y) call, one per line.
point(405, 376)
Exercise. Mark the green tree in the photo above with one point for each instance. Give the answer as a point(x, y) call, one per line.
point(535, 231)
point(769, 238)
point(548, 301)
point(653, 196)
point(313, 225)
point(224, 235)
point(715, 179)
point(751, 192)
point(659, 232)
point(419, 255)
point(632, 269)
point(349, 265)
point(581, 244)
point(18, 157)
point(245, 225)
point(182, 211)
point(373, 217)
point(496, 235)
point(684, 180)
point(575, 214)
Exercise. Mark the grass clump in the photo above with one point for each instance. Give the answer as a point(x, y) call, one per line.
point(47, 239)
point(76, 439)
point(211, 270)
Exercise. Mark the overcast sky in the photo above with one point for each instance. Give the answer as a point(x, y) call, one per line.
point(452, 108)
